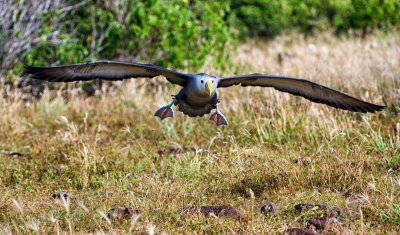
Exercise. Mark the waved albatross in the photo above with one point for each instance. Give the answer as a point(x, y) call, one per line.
point(198, 95)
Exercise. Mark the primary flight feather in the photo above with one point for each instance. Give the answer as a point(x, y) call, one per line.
point(198, 95)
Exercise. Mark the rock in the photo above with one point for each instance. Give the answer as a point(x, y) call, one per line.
point(312, 48)
point(119, 213)
point(282, 56)
point(169, 151)
point(11, 154)
point(65, 195)
point(268, 208)
point(326, 215)
point(299, 231)
point(214, 210)
point(329, 210)
point(33, 88)
point(176, 150)
point(301, 206)
point(320, 223)
point(88, 89)
point(59, 168)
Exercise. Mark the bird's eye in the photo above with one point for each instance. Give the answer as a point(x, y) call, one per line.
point(202, 81)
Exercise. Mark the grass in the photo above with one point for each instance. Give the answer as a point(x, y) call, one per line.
point(109, 150)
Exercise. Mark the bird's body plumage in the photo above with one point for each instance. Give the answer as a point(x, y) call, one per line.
point(199, 93)
point(195, 105)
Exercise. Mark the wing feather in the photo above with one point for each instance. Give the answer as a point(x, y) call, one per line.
point(107, 70)
point(307, 89)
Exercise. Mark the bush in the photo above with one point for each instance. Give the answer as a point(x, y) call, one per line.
point(363, 14)
point(171, 33)
point(167, 32)
point(19, 25)
point(270, 17)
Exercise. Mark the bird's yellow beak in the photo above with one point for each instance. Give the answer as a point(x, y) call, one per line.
point(208, 87)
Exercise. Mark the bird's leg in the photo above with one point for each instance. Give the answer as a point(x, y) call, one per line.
point(218, 118)
point(166, 111)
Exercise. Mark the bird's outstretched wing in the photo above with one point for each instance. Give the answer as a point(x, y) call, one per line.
point(300, 87)
point(107, 70)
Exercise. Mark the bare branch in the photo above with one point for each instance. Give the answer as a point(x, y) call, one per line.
point(19, 24)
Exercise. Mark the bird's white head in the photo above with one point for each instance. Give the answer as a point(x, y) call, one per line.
point(205, 84)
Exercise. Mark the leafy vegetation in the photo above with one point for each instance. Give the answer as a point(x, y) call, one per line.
point(168, 33)
point(174, 33)
point(270, 17)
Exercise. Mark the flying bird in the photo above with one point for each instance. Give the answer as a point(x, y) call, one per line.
point(198, 95)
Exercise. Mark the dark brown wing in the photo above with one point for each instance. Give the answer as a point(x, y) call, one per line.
point(107, 70)
point(300, 87)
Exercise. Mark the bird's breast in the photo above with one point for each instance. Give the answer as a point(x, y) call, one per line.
point(196, 105)
point(199, 99)
point(194, 110)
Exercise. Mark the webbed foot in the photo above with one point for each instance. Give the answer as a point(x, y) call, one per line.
point(218, 118)
point(166, 111)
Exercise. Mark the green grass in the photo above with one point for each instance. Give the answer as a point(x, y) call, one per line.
point(110, 150)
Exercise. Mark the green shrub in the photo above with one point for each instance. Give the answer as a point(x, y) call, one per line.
point(270, 17)
point(260, 17)
point(171, 33)
point(363, 14)
point(165, 32)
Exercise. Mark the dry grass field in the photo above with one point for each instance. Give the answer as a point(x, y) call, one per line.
point(110, 151)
